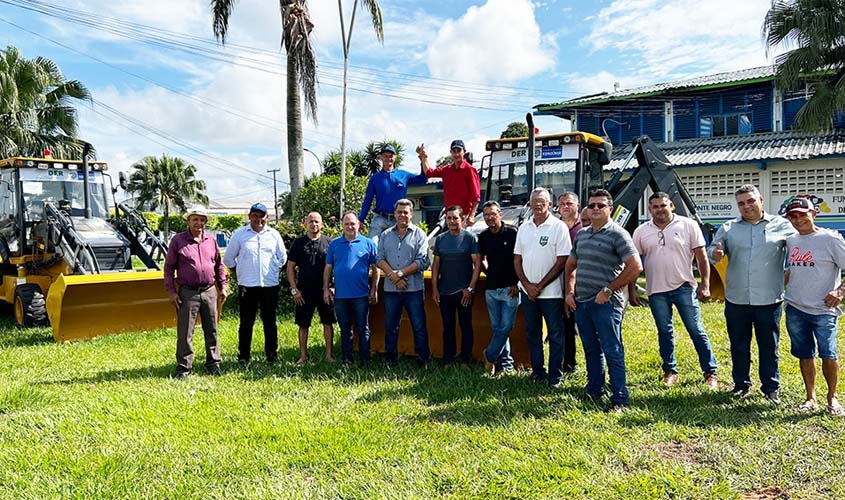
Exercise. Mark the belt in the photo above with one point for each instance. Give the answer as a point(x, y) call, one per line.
point(386, 215)
point(200, 288)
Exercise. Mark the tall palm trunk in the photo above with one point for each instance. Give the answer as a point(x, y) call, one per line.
point(294, 125)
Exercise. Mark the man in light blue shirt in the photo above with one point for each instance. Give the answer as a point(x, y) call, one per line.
point(387, 186)
point(403, 256)
point(755, 244)
point(256, 252)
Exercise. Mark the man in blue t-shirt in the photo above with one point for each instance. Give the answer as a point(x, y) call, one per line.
point(350, 258)
point(454, 273)
point(387, 186)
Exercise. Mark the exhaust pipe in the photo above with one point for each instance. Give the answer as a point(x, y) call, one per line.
point(87, 194)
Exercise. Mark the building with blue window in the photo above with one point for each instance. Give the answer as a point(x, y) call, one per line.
point(722, 131)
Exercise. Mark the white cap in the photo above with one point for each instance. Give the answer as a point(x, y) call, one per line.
point(196, 210)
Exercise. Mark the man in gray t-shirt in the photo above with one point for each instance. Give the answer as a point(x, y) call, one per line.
point(815, 260)
point(454, 273)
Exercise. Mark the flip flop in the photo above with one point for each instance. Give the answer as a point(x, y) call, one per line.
point(809, 405)
point(835, 410)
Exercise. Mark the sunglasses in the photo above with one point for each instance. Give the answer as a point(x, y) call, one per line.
point(661, 238)
point(597, 205)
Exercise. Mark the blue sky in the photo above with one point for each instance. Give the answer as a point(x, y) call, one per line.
point(447, 69)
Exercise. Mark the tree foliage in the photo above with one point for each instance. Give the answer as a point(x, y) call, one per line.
point(322, 194)
point(816, 30)
point(362, 162)
point(515, 129)
point(36, 108)
point(167, 182)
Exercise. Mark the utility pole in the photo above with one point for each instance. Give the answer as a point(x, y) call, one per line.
point(275, 194)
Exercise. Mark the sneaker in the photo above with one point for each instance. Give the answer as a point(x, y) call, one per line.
point(243, 363)
point(555, 385)
point(670, 379)
point(619, 408)
point(272, 360)
point(215, 371)
point(711, 382)
point(489, 367)
point(773, 397)
point(181, 375)
point(739, 392)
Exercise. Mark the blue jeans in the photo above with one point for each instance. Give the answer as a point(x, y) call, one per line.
point(535, 312)
point(805, 330)
point(353, 311)
point(502, 310)
point(687, 304)
point(413, 304)
point(600, 326)
point(378, 225)
point(765, 320)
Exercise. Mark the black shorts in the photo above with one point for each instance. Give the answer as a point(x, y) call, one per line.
point(313, 300)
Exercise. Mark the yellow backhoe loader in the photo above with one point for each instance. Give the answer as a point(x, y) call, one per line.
point(67, 262)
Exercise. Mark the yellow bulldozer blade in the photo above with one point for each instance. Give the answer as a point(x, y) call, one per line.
point(87, 306)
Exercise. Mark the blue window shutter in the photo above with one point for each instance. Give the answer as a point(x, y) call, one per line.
point(791, 105)
point(760, 100)
point(685, 119)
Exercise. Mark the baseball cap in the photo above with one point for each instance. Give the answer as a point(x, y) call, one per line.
point(387, 148)
point(258, 207)
point(457, 143)
point(800, 205)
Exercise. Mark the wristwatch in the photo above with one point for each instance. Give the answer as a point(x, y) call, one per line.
point(470, 289)
point(294, 291)
point(607, 291)
point(400, 273)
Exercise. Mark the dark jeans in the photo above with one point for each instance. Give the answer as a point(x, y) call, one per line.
point(251, 299)
point(535, 312)
point(354, 312)
point(204, 304)
point(413, 303)
point(569, 349)
point(683, 298)
point(449, 305)
point(765, 321)
point(600, 326)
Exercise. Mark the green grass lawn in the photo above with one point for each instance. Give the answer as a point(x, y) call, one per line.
point(101, 419)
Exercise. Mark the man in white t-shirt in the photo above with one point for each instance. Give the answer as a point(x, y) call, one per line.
point(542, 245)
point(668, 244)
point(815, 260)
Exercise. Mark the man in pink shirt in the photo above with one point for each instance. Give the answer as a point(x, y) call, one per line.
point(668, 243)
point(461, 185)
point(194, 257)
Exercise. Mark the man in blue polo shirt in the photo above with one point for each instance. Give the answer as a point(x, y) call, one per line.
point(387, 186)
point(350, 258)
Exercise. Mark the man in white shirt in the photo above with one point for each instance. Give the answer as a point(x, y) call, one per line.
point(542, 245)
point(255, 254)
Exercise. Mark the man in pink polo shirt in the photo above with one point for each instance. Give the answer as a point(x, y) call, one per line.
point(461, 185)
point(668, 243)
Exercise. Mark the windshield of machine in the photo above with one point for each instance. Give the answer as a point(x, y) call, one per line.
point(558, 176)
point(63, 187)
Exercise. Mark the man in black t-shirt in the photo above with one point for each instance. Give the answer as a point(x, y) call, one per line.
point(308, 253)
point(496, 244)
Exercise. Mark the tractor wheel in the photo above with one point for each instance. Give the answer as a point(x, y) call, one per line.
point(30, 306)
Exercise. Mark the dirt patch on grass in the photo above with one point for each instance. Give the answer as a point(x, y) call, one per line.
point(685, 452)
point(765, 493)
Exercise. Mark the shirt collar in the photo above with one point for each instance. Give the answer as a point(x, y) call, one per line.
point(605, 226)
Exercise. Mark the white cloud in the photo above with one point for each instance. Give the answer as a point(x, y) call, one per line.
point(682, 38)
point(499, 41)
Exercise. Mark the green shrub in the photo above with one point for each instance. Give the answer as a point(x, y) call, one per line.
point(152, 219)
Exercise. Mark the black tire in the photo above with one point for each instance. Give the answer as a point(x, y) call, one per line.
point(30, 306)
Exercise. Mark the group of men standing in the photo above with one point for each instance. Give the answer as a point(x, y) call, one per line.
point(565, 270)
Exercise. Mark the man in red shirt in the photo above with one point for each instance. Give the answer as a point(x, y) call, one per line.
point(194, 257)
point(461, 185)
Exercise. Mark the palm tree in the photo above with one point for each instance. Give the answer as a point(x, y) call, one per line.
point(301, 74)
point(165, 183)
point(36, 109)
point(375, 13)
point(816, 28)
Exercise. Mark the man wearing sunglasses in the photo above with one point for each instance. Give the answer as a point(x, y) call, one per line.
point(606, 262)
point(755, 244)
point(668, 243)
